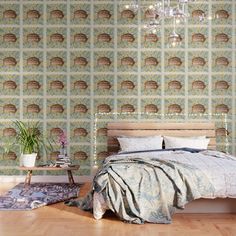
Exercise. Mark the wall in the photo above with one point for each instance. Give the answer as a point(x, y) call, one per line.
point(63, 61)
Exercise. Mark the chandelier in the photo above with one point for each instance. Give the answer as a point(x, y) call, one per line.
point(176, 11)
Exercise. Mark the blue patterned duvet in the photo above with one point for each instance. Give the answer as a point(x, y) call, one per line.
point(148, 187)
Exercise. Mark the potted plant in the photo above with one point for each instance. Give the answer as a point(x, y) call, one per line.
point(30, 140)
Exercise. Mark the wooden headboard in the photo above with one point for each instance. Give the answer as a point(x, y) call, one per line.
point(115, 130)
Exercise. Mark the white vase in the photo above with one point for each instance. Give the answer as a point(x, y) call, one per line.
point(28, 160)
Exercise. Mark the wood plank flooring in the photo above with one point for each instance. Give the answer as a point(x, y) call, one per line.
point(59, 219)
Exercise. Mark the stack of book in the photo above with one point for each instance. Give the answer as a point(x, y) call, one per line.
point(63, 161)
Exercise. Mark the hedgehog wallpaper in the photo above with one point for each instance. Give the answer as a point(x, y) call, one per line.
point(118, 117)
point(63, 61)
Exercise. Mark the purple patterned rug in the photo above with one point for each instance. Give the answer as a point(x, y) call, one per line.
point(37, 195)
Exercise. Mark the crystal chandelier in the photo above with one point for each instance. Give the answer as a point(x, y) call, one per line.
point(176, 11)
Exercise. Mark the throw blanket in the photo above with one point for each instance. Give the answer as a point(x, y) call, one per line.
point(140, 189)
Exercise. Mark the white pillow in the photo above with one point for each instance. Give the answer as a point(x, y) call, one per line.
point(199, 142)
point(129, 144)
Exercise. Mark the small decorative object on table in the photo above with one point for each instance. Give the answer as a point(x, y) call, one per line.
point(63, 160)
point(62, 139)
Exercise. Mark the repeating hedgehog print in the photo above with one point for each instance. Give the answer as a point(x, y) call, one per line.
point(63, 61)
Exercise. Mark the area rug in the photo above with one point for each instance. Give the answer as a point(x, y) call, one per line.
point(37, 195)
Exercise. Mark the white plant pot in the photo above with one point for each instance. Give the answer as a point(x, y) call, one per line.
point(28, 160)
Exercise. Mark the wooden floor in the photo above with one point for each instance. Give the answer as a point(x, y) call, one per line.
point(59, 219)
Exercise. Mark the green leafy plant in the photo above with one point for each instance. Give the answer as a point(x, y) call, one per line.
point(29, 138)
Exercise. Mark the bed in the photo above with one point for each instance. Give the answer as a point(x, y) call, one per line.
point(150, 185)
